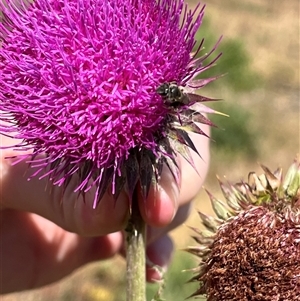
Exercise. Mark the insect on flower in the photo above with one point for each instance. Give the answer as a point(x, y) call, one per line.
point(173, 94)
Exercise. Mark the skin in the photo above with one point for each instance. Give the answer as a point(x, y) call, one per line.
point(44, 237)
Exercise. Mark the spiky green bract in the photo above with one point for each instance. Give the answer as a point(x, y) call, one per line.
point(251, 250)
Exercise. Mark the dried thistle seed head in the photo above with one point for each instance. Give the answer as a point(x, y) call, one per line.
point(79, 80)
point(251, 250)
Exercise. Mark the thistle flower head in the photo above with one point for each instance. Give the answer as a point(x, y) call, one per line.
point(251, 250)
point(81, 81)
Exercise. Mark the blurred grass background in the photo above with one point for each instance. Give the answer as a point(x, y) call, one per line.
point(260, 89)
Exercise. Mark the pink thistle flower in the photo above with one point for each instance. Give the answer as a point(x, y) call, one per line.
point(89, 84)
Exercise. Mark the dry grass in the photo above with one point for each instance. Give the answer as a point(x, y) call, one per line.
point(270, 31)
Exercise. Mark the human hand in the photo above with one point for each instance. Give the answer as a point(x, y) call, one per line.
point(45, 238)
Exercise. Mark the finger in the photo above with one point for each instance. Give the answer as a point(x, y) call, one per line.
point(161, 204)
point(160, 245)
point(160, 207)
point(45, 252)
point(70, 211)
point(192, 178)
point(154, 233)
point(159, 253)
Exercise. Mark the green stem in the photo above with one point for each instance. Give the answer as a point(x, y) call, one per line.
point(136, 254)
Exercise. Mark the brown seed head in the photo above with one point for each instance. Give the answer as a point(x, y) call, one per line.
point(251, 251)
